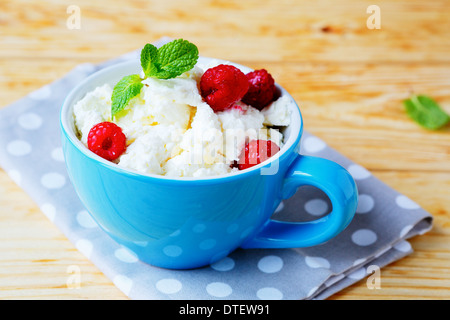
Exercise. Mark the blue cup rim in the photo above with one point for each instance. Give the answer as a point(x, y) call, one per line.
point(67, 129)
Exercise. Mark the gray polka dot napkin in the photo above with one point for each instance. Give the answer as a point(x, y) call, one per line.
point(30, 152)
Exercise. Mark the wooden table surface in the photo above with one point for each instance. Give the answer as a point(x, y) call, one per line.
point(349, 80)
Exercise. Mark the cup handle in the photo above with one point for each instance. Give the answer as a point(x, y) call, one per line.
point(337, 184)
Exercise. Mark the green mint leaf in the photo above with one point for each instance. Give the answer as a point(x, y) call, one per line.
point(176, 57)
point(170, 61)
point(149, 56)
point(426, 112)
point(126, 89)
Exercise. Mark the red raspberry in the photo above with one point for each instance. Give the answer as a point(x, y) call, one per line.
point(223, 85)
point(107, 140)
point(255, 152)
point(262, 90)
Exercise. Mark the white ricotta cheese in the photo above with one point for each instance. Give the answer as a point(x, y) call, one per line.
point(171, 131)
point(278, 112)
point(94, 108)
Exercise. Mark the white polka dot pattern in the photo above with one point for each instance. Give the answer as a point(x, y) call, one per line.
point(18, 148)
point(269, 294)
point(226, 264)
point(53, 180)
point(358, 274)
point(29, 121)
point(316, 207)
point(403, 246)
point(85, 246)
point(57, 155)
point(49, 210)
point(219, 289)
point(358, 172)
point(312, 291)
point(365, 203)
point(85, 220)
point(406, 203)
point(15, 175)
point(358, 262)
point(317, 262)
point(270, 264)
point(364, 237)
point(169, 286)
point(405, 231)
point(124, 283)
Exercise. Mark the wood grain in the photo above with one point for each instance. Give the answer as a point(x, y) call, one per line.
point(349, 81)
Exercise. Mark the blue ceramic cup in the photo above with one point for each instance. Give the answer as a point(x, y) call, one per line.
point(183, 223)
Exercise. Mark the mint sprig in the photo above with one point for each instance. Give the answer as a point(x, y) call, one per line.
point(426, 112)
point(169, 61)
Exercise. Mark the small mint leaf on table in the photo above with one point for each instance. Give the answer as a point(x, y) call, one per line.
point(426, 112)
point(126, 89)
